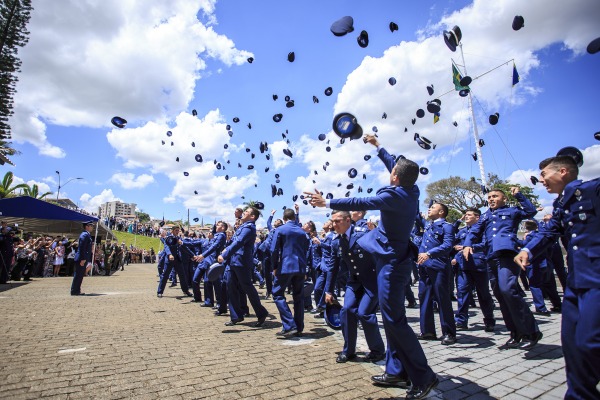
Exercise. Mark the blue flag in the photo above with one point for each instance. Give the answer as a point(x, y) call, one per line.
point(515, 75)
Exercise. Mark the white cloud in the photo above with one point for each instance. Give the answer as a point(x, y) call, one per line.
point(43, 187)
point(89, 61)
point(128, 180)
point(91, 203)
point(591, 163)
point(523, 177)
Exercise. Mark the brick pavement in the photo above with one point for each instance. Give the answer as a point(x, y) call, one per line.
point(121, 341)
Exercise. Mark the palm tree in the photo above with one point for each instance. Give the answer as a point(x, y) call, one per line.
point(6, 187)
point(33, 191)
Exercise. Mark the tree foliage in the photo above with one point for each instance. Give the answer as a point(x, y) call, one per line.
point(460, 194)
point(142, 216)
point(6, 187)
point(14, 16)
point(34, 191)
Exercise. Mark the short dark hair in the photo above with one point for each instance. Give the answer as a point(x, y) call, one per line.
point(254, 211)
point(312, 226)
point(474, 210)
point(224, 224)
point(498, 190)
point(345, 214)
point(289, 214)
point(407, 172)
point(530, 225)
point(566, 162)
point(444, 208)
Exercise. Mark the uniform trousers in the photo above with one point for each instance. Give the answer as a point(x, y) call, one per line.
point(558, 262)
point(78, 278)
point(280, 283)
point(580, 336)
point(239, 283)
point(268, 274)
point(433, 283)
point(360, 304)
point(404, 354)
point(467, 281)
point(319, 291)
point(503, 273)
point(539, 284)
point(173, 265)
point(199, 273)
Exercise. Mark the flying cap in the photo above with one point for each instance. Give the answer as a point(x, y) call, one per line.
point(453, 37)
point(275, 97)
point(573, 152)
point(420, 113)
point(249, 125)
point(185, 173)
point(594, 46)
point(392, 81)
point(465, 80)
point(196, 219)
point(423, 142)
point(193, 144)
point(481, 143)
point(374, 129)
point(352, 173)
point(194, 112)
point(518, 22)
point(463, 92)
point(430, 90)
point(455, 123)
point(169, 133)
point(288, 153)
point(414, 120)
point(322, 137)
point(363, 39)
point(250, 59)
point(433, 106)
point(236, 119)
point(384, 116)
point(494, 118)
point(345, 126)
point(315, 99)
point(277, 117)
point(289, 104)
point(534, 180)
point(423, 171)
point(119, 122)
point(474, 155)
point(597, 135)
point(342, 26)
point(291, 56)
point(273, 190)
point(367, 157)
point(328, 91)
point(393, 27)
point(177, 159)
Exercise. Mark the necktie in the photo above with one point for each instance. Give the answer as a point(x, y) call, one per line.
point(344, 243)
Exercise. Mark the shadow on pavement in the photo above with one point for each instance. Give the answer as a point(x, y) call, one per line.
point(544, 352)
point(12, 285)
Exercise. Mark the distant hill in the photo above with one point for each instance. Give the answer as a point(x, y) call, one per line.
point(139, 241)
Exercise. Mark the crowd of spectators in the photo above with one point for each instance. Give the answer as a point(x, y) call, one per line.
point(124, 225)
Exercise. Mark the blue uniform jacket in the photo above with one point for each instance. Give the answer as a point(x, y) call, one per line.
point(172, 247)
point(240, 253)
point(361, 225)
point(84, 249)
point(326, 250)
point(359, 264)
point(438, 240)
point(540, 260)
point(497, 229)
point(398, 206)
point(477, 261)
point(576, 218)
point(289, 249)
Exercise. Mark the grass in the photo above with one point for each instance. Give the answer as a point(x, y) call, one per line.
point(141, 242)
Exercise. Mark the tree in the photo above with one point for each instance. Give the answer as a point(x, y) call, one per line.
point(6, 187)
point(459, 194)
point(14, 16)
point(33, 191)
point(142, 216)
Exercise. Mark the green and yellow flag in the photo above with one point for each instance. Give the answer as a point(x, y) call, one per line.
point(456, 77)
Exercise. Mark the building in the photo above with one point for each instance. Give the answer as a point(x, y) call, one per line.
point(116, 209)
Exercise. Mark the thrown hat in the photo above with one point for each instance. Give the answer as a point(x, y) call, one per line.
point(494, 118)
point(315, 99)
point(465, 80)
point(169, 133)
point(352, 173)
point(420, 113)
point(464, 92)
point(342, 26)
point(414, 120)
point(363, 39)
point(287, 152)
point(273, 190)
point(573, 152)
point(196, 219)
point(291, 56)
point(119, 122)
point(422, 141)
point(249, 125)
point(534, 180)
point(518, 22)
point(369, 190)
point(384, 116)
point(328, 91)
point(481, 143)
point(225, 146)
point(177, 159)
point(430, 90)
point(597, 135)
point(289, 104)
point(193, 144)
point(250, 59)
point(453, 38)
point(322, 137)
point(434, 106)
point(277, 117)
point(455, 123)
point(295, 197)
point(185, 173)
point(259, 206)
point(345, 126)
point(327, 149)
point(423, 170)
point(474, 155)
point(392, 81)
point(236, 119)
point(393, 27)
point(367, 157)
point(594, 46)
point(275, 97)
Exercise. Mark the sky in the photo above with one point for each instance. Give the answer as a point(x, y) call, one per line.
point(157, 63)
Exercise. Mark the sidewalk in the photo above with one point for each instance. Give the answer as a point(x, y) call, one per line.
point(121, 341)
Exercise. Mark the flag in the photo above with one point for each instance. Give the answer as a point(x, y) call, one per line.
point(456, 77)
point(436, 117)
point(515, 75)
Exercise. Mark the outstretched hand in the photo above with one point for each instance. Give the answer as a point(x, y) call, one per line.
point(315, 199)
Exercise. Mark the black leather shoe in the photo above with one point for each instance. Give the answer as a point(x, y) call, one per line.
point(426, 336)
point(159, 295)
point(462, 327)
point(374, 357)
point(78, 294)
point(545, 313)
point(315, 310)
point(206, 305)
point(319, 315)
point(260, 322)
point(286, 334)
point(420, 392)
point(528, 341)
point(412, 305)
point(390, 380)
point(232, 322)
point(448, 340)
point(343, 358)
point(188, 294)
point(557, 309)
point(219, 313)
point(513, 342)
point(489, 328)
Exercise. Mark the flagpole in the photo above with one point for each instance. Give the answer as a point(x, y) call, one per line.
point(475, 131)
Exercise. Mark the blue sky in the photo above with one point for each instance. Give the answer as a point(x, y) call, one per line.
point(152, 64)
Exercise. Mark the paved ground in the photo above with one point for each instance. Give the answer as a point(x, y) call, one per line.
point(121, 341)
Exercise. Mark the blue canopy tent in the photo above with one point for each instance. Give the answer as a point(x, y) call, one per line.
point(38, 216)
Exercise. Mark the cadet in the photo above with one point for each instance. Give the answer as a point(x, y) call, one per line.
point(82, 258)
point(205, 260)
point(173, 253)
point(321, 272)
point(576, 218)
point(472, 274)
point(361, 299)
point(499, 225)
point(435, 274)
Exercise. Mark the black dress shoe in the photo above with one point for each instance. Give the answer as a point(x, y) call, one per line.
point(513, 342)
point(288, 333)
point(159, 295)
point(448, 340)
point(390, 380)
point(315, 310)
point(233, 322)
point(374, 357)
point(188, 294)
point(77, 294)
point(412, 305)
point(319, 315)
point(545, 313)
point(260, 322)
point(426, 336)
point(219, 313)
point(206, 305)
point(528, 341)
point(342, 358)
point(557, 309)
point(462, 327)
point(489, 328)
point(420, 392)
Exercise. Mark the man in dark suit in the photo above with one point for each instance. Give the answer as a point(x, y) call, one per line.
point(173, 258)
point(394, 255)
point(82, 258)
point(240, 257)
point(576, 219)
point(289, 249)
point(361, 298)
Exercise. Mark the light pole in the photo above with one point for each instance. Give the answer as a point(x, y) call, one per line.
point(59, 186)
